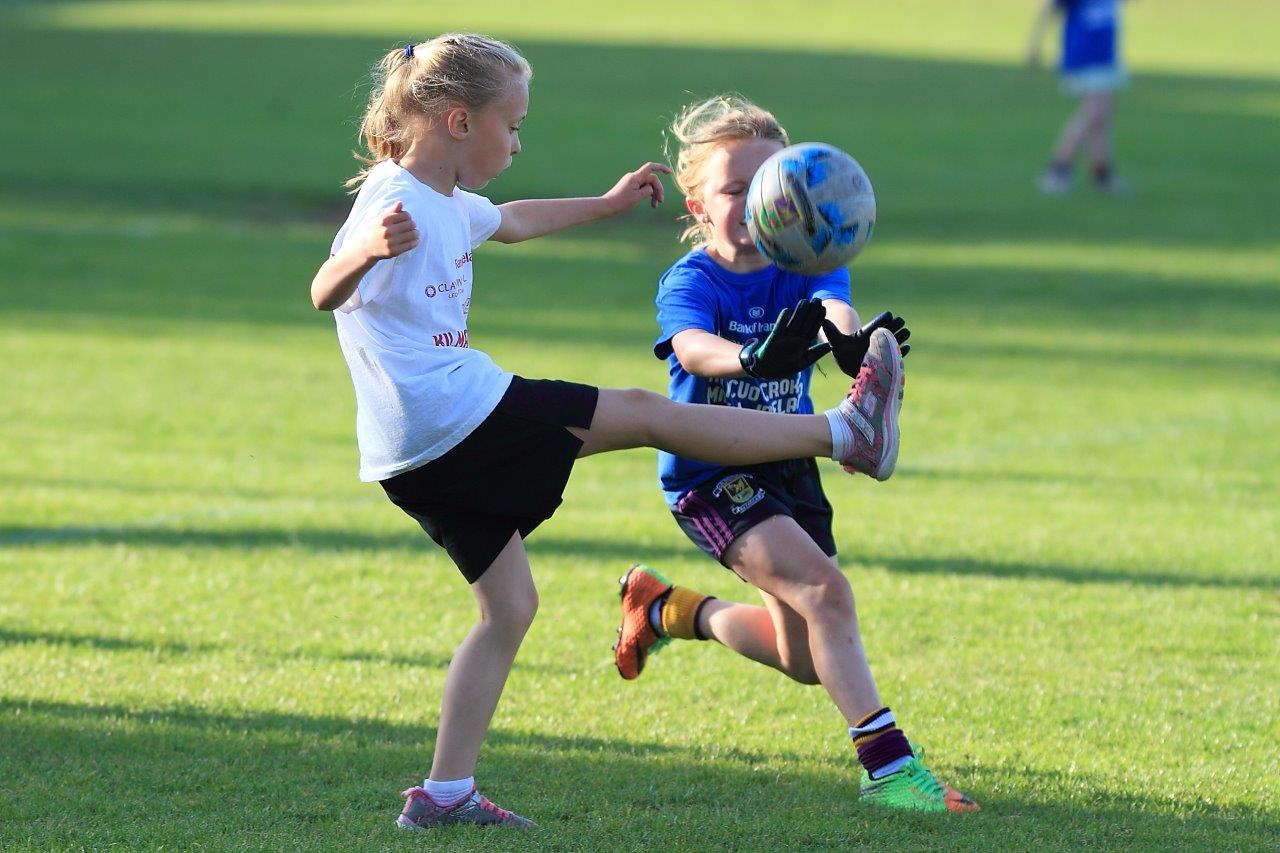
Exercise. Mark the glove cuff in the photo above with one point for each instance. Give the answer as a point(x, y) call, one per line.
point(747, 358)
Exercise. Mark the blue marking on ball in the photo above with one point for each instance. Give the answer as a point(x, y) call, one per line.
point(831, 212)
point(846, 235)
point(816, 168)
point(821, 239)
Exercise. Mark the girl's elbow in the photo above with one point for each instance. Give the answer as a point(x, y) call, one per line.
point(322, 301)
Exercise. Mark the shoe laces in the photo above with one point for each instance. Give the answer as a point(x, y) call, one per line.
point(866, 375)
point(868, 378)
point(925, 781)
point(489, 806)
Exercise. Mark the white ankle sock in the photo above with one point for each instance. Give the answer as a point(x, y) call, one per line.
point(893, 766)
point(842, 439)
point(449, 793)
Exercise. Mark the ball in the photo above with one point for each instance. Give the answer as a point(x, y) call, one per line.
point(810, 208)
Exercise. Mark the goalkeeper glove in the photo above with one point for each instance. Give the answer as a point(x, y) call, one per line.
point(850, 350)
point(790, 347)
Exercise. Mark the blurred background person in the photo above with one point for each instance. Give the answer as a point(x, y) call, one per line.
point(1092, 72)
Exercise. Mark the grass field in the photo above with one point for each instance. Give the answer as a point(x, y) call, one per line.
point(212, 636)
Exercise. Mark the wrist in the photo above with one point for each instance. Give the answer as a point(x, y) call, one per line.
point(607, 207)
point(364, 257)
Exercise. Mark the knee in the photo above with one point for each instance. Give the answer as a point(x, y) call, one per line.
point(644, 400)
point(645, 409)
point(513, 616)
point(524, 608)
point(823, 593)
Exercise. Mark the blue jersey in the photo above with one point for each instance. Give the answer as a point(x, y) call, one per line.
point(697, 293)
point(1090, 31)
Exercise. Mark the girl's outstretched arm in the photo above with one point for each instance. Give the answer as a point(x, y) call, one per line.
point(534, 217)
point(707, 354)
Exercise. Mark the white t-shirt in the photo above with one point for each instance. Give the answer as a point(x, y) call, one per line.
point(420, 388)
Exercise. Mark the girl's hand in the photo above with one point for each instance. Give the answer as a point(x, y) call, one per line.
point(635, 187)
point(391, 234)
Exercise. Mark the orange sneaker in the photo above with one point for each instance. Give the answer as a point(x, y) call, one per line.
point(638, 589)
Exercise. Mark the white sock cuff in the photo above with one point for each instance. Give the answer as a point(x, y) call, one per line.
point(448, 793)
point(841, 435)
point(879, 721)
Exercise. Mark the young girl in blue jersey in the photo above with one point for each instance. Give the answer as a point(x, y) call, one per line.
point(477, 456)
point(769, 523)
point(1092, 71)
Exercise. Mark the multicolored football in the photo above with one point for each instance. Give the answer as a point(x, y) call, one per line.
point(810, 208)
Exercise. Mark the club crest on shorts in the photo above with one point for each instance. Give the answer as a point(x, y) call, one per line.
point(738, 489)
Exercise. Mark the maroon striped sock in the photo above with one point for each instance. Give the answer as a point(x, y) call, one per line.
point(883, 751)
point(880, 743)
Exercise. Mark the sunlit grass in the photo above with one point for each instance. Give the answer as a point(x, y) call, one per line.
point(212, 636)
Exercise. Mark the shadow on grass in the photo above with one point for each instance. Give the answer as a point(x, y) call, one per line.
point(1058, 309)
point(1064, 573)
point(313, 540)
point(952, 146)
point(270, 132)
point(15, 637)
point(135, 487)
point(95, 775)
point(594, 551)
point(171, 648)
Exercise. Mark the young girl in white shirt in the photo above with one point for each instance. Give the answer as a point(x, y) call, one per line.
point(479, 456)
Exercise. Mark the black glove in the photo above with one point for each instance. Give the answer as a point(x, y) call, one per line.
point(850, 350)
point(790, 347)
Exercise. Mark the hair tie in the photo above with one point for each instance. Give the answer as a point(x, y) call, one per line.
point(408, 51)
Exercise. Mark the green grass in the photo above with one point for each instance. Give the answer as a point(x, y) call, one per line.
point(212, 636)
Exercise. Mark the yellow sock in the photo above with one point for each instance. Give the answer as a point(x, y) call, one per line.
point(680, 613)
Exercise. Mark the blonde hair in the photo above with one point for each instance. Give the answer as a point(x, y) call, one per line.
point(699, 130)
point(420, 82)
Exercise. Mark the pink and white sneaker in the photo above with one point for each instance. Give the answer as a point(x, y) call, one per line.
point(421, 812)
point(871, 409)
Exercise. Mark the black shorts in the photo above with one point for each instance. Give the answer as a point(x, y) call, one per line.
point(507, 476)
point(724, 507)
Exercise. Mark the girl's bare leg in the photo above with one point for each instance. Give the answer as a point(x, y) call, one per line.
point(1100, 135)
point(808, 628)
point(1073, 134)
point(507, 601)
point(1093, 113)
point(721, 434)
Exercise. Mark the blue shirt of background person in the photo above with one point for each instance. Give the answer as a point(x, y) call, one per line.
point(1089, 33)
point(697, 293)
